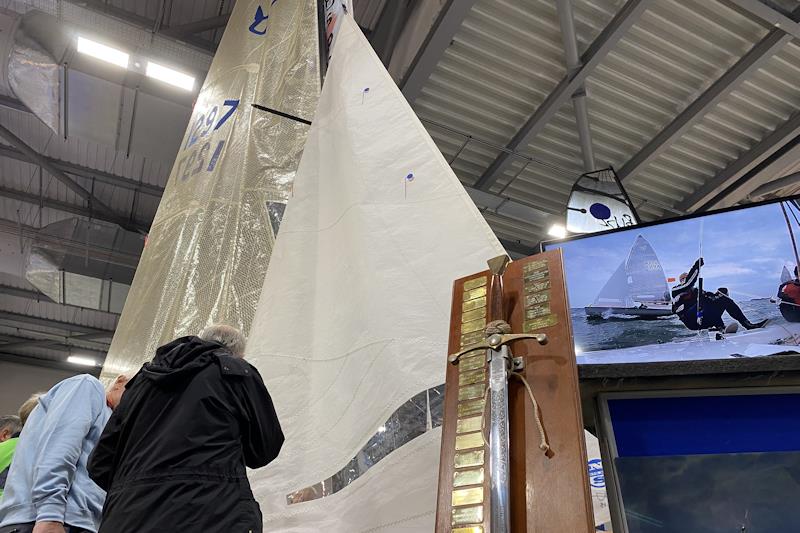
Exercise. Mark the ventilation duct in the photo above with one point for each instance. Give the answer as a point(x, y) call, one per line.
point(53, 259)
point(30, 70)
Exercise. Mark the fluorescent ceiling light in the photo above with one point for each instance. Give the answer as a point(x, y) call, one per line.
point(558, 231)
point(85, 361)
point(103, 52)
point(171, 76)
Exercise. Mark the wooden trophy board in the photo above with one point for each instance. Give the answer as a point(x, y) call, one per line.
point(548, 495)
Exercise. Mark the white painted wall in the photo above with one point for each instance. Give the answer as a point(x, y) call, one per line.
point(18, 382)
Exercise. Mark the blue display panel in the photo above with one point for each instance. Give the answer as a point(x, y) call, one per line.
point(706, 424)
point(707, 463)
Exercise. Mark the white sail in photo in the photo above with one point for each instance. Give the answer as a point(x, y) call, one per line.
point(637, 288)
point(354, 314)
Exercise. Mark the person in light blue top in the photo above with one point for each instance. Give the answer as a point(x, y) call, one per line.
point(48, 489)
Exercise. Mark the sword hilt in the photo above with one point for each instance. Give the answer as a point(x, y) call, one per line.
point(494, 342)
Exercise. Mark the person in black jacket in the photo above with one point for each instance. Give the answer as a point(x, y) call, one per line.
point(172, 457)
point(712, 304)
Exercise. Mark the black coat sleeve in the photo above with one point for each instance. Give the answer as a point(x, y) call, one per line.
point(101, 464)
point(262, 437)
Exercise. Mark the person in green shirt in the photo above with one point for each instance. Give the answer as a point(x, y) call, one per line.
point(10, 428)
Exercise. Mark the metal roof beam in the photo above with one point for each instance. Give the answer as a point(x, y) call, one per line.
point(41, 297)
point(86, 172)
point(198, 26)
point(143, 23)
point(94, 203)
point(769, 14)
point(741, 166)
point(441, 35)
point(599, 49)
point(66, 207)
point(754, 59)
point(22, 342)
point(516, 247)
point(68, 246)
point(791, 180)
point(566, 20)
point(8, 316)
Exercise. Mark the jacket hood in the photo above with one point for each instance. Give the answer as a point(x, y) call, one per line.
point(181, 359)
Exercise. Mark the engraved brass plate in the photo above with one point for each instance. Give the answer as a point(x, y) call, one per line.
point(469, 440)
point(472, 338)
point(537, 286)
point(467, 459)
point(468, 515)
point(532, 326)
point(474, 283)
point(474, 314)
point(537, 310)
point(470, 408)
point(465, 425)
point(467, 496)
point(470, 529)
point(471, 391)
point(534, 265)
point(473, 304)
point(471, 363)
point(474, 325)
point(474, 293)
point(539, 275)
point(536, 299)
point(462, 478)
point(472, 376)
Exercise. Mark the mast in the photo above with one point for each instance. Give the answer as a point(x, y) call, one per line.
point(791, 236)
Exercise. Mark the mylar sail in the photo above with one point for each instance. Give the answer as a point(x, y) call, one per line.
point(353, 322)
point(785, 275)
point(211, 240)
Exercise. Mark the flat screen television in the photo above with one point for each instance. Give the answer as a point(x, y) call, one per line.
point(628, 304)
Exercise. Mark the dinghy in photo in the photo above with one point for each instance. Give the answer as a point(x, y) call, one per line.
point(638, 288)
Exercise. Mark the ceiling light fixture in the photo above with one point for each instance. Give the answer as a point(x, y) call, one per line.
point(558, 231)
point(84, 361)
point(168, 75)
point(103, 52)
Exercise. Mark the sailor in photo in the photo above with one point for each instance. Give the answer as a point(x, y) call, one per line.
point(712, 304)
point(789, 295)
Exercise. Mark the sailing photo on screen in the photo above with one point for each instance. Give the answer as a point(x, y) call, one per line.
point(716, 286)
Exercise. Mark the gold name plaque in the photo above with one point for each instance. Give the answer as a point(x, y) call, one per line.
point(470, 529)
point(474, 293)
point(467, 459)
point(474, 325)
point(475, 314)
point(462, 478)
point(467, 496)
point(471, 391)
point(469, 440)
point(470, 408)
point(473, 304)
point(467, 515)
point(472, 363)
point(475, 283)
point(468, 425)
point(472, 376)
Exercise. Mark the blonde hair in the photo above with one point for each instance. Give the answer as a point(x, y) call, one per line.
point(27, 408)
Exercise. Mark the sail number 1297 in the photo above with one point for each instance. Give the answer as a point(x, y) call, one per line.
point(206, 152)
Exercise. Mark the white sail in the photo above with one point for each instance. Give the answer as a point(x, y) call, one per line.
point(615, 292)
point(638, 280)
point(354, 314)
point(597, 203)
point(785, 275)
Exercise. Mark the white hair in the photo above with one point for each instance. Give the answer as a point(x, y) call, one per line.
point(228, 336)
point(11, 422)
